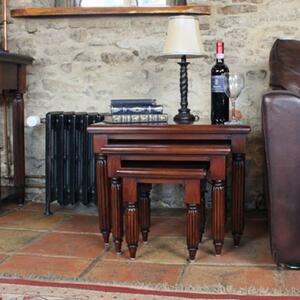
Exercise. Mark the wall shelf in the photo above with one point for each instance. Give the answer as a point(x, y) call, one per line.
point(95, 11)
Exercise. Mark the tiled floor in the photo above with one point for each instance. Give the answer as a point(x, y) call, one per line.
point(67, 246)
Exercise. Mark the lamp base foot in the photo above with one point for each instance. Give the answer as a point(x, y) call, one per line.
point(184, 118)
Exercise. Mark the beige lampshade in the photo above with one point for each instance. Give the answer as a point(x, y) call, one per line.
point(183, 37)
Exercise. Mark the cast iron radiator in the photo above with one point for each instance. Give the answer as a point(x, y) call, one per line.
point(70, 163)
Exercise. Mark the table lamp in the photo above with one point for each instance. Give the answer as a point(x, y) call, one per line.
point(183, 41)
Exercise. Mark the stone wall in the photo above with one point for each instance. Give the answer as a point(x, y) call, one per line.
point(82, 63)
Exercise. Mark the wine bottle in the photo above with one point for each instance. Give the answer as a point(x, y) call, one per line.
point(219, 88)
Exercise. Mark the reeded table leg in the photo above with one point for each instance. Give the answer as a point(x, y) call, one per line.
point(192, 226)
point(117, 214)
point(218, 222)
point(145, 209)
point(202, 211)
point(103, 197)
point(192, 199)
point(238, 195)
point(132, 228)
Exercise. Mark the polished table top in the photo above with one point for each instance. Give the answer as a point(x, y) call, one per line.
point(171, 128)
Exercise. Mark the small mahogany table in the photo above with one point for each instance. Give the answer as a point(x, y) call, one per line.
point(13, 85)
point(166, 134)
point(172, 158)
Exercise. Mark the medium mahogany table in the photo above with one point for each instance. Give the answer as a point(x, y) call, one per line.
point(188, 136)
point(13, 86)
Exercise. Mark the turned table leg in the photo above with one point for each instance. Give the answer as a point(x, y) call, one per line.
point(103, 197)
point(218, 221)
point(238, 195)
point(117, 214)
point(145, 210)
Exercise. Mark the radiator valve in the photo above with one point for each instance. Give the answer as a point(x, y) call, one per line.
point(33, 121)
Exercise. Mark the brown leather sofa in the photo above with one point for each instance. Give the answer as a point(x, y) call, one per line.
point(281, 129)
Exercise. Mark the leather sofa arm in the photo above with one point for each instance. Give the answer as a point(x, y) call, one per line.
point(279, 95)
point(281, 130)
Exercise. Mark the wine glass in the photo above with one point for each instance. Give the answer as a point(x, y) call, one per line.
point(236, 82)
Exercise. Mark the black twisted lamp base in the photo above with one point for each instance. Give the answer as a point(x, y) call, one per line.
point(184, 116)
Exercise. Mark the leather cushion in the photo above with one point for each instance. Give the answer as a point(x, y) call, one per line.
point(285, 65)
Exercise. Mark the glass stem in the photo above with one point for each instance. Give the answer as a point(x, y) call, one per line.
point(233, 110)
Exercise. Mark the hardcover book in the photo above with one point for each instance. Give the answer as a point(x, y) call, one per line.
point(132, 102)
point(154, 109)
point(136, 118)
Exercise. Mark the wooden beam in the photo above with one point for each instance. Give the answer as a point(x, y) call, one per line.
point(91, 11)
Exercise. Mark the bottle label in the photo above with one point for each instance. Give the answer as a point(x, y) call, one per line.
point(219, 83)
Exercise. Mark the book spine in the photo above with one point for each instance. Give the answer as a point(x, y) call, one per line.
point(133, 102)
point(141, 118)
point(157, 109)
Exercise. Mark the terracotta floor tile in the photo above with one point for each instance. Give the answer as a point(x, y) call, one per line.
point(158, 250)
point(164, 226)
point(291, 279)
point(80, 224)
point(250, 252)
point(230, 277)
point(13, 240)
point(30, 220)
point(131, 272)
point(44, 266)
point(56, 208)
point(75, 209)
point(64, 244)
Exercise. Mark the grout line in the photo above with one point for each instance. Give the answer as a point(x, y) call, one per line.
point(22, 229)
point(180, 277)
point(77, 232)
point(248, 265)
point(4, 260)
point(52, 256)
point(140, 260)
point(92, 264)
point(280, 277)
point(49, 230)
point(59, 223)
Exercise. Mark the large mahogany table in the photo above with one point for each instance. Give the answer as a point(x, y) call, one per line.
point(184, 135)
point(12, 88)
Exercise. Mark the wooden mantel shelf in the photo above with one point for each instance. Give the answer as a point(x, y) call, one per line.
point(90, 11)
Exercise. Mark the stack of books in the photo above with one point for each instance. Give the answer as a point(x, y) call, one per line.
point(136, 111)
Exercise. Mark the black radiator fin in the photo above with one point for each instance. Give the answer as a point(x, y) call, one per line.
point(70, 162)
